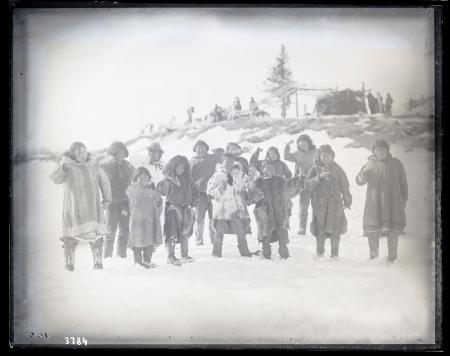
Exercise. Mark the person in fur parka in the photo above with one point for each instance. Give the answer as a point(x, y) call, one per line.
point(83, 216)
point(330, 194)
point(271, 212)
point(120, 173)
point(386, 197)
point(145, 224)
point(178, 188)
point(304, 160)
point(281, 169)
point(231, 190)
point(203, 166)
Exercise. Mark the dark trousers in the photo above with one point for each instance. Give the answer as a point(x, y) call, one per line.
point(282, 247)
point(304, 201)
point(235, 227)
point(392, 242)
point(143, 254)
point(202, 206)
point(184, 247)
point(70, 245)
point(334, 242)
point(116, 222)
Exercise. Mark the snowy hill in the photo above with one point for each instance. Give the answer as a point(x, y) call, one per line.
point(235, 299)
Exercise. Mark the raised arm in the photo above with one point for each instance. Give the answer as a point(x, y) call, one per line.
point(59, 175)
point(288, 155)
point(254, 160)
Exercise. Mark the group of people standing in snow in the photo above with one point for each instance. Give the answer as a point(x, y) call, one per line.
point(107, 201)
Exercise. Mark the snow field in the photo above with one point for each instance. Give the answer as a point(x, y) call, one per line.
point(233, 299)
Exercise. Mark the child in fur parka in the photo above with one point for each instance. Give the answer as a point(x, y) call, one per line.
point(178, 188)
point(231, 190)
point(145, 225)
point(271, 211)
point(330, 194)
point(281, 170)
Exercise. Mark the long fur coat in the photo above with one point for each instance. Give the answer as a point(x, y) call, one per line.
point(83, 216)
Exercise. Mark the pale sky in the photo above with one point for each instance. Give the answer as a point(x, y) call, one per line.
point(95, 75)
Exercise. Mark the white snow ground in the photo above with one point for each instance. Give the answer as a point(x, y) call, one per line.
point(233, 299)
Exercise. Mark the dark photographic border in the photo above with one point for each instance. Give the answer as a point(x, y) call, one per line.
point(439, 11)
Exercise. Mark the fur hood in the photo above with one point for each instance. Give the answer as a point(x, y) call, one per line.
point(169, 169)
point(277, 152)
point(373, 158)
point(68, 160)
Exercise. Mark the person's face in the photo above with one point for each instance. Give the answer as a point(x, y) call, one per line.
point(271, 155)
point(228, 164)
point(81, 154)
point(269, 170)
point(303, 145)
point(179, 170)
point(201, 150)
point(155, 156)
point(120, 156)
point(381, 152)
point(220, 157)
point(326, 158)
point(143, 179)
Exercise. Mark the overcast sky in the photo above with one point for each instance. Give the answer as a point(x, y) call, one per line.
point(95, 75)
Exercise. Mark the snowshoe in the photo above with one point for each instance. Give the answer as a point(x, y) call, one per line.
point(70, 267)
point(318, 256)
point(187, 259)
point(98, 265)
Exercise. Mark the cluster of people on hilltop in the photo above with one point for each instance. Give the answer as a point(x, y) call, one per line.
point(221, 114)
point(376, 105)
point(108, 202)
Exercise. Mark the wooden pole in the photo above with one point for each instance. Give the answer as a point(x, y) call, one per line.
point(296, 101)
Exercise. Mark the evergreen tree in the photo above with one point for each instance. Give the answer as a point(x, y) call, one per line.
point(279, 79)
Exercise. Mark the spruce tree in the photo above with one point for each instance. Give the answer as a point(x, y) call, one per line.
point(279, 79)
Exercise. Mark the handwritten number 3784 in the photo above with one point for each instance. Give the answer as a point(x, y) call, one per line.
point(76, 340)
